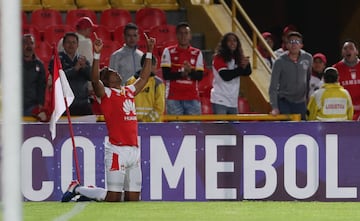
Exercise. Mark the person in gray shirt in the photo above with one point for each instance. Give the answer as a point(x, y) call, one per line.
point(290, 76)
point(126, 60)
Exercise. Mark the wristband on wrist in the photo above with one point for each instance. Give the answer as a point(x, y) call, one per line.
point(97, 56)
point(148, 55)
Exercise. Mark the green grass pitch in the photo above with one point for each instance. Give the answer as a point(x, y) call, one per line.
point(202, 211)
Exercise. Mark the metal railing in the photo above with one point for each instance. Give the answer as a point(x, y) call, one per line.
point(205, 117)
point(233, 117)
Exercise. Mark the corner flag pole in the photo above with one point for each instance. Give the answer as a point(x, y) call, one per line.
point(77, 168)
point(62, 90)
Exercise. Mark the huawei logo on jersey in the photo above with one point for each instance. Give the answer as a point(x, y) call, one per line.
point(128, 107)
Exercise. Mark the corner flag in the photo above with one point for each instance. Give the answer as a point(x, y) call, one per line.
point(61, 92)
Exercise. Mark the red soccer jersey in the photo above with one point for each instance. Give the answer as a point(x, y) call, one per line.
point(349, 78)
point(118, 107)
point(174, 57)
point(224, 92)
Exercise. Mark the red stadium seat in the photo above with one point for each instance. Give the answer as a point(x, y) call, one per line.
point(73, 16)
point(118, 34)
point(108, 48)
point(44, 17)
point(163, 33)
point(150, 17)
point(103, 33)
point(243, 106)
point(111, 18)
point(24, 18)
point(54, 33)
point(169, 43)
point(43, 51)
point(142, 40)
point(205, 84)
point(142, 45)
point(31, 29)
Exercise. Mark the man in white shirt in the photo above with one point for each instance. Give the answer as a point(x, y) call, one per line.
point(84, 28)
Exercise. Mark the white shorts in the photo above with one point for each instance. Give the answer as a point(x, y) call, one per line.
point(122, 168)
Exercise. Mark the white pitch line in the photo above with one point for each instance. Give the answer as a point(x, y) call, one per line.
point(76, 209)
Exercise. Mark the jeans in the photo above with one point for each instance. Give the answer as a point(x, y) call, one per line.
point(221, 109)
point(288, 107)
point(183, 107)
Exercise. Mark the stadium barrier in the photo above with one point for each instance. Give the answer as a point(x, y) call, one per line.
point(233, 117)
point(205, 117)
point(196, 161)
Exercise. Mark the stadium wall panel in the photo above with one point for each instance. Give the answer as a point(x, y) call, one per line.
point(282, 161)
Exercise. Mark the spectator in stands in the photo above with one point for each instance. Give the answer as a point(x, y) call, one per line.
point(150, 101)
point(331, 102)
point(77, 71)
point(34, 80)
point(182, 66)
point(290, 77)
point(229, 64)
point(349, 73)
point(283, 48)
point(126, 60)
point(265, 53)
point(84, 29)
point(318, 67)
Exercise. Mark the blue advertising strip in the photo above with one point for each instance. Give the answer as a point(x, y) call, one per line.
point(205, 161)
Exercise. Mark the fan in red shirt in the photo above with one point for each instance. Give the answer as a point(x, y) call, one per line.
point(183, 68)
point(349, 73)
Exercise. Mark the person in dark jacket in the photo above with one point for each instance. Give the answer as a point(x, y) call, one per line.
point(34, 78)
point(77, 71)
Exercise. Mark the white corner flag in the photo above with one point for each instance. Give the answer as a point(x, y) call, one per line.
point(61, 91)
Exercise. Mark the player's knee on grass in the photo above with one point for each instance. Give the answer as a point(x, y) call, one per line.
point(113, 196)
point(132, 196)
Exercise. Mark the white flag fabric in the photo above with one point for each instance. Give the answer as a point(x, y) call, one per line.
point(61, 91)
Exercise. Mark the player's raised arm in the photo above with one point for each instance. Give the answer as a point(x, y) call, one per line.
point(95, 76)
point(146, 69)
